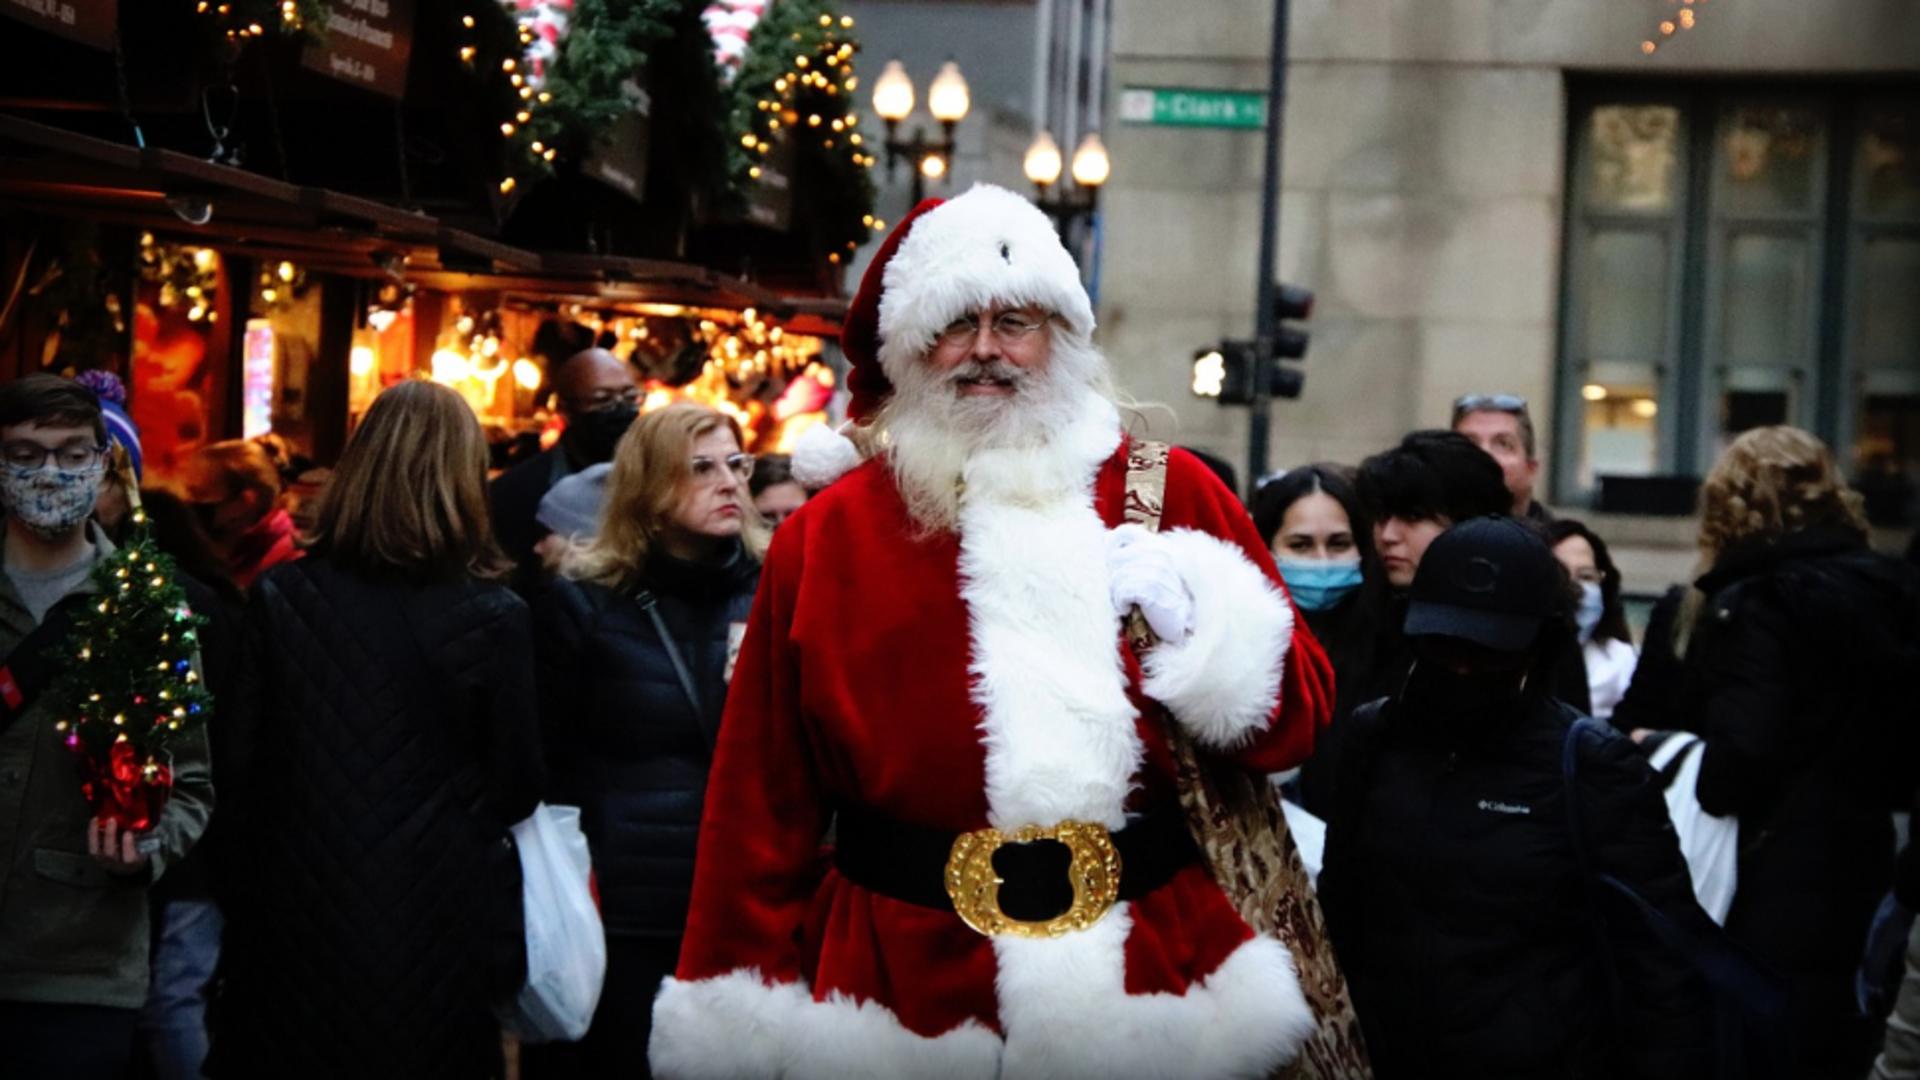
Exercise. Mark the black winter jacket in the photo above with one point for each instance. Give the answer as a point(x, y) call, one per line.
point(1798, 677)
point(624, 742)
point(394, 740)
point(1464, 924)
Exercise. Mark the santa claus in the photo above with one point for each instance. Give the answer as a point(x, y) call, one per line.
point(935, 668)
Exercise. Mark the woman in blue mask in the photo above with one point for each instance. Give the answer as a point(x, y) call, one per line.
point(1606, 643)
point(1322, 540)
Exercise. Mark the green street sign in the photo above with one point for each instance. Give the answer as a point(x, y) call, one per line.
point(1171, 106)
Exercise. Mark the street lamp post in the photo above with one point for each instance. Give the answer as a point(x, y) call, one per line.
point(1090, 169)
point(948, 100)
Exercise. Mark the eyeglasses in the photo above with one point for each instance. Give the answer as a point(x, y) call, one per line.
point(33, 456)
point(705, 469)
point(1507, 403)
point(1007, 326)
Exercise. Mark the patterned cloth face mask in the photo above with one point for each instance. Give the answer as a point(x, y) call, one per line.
point(48, 499)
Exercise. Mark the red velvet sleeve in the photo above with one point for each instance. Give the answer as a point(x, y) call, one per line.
point(1197, 499)
point(758, 863)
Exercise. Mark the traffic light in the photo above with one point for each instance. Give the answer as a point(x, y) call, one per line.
point(1226, 371)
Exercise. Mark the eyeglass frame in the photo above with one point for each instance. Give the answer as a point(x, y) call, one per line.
point(630, 395)
point(740, 464)
point(47, 453)
point(965, 329)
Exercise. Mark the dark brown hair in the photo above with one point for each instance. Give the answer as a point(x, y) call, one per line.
point(51, 400)
point(409, 496)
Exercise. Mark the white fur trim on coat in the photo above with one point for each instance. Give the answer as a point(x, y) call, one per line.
point(1066, 1012)
point(740, 1027)
point(1056, 722)
point(822, 455)
point(1223, 682)
point(986, 247)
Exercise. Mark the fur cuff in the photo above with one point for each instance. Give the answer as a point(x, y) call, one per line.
point(739, 1025)
point(822, 455)
point(1223, 682)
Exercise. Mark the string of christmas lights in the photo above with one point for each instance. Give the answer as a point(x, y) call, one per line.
point(243, 19)
point(1681, 21)
point(799, 77)
point(188, 277)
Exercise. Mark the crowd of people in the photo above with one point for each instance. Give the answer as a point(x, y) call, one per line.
point(775, 745)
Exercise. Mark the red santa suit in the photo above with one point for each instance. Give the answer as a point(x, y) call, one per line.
point(972, 678)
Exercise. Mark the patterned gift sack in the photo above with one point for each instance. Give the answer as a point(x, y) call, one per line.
point(1238, 821)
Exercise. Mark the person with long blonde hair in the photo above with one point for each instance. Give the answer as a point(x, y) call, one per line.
point(1797, 646)
point(389, 741)
point(635, 641)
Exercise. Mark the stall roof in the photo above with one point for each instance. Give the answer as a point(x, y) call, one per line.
point(49, 170)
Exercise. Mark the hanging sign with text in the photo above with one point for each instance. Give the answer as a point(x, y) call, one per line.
point(366, 43)
point(89, 22)
point(1171, 106)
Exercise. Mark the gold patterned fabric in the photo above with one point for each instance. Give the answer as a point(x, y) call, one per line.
point(1237, 819)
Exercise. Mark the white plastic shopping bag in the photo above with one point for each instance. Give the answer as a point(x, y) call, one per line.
point(1711, 844)
point(566, 943)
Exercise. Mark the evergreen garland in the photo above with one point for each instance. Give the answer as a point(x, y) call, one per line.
point(129, 674)
point(797, 82)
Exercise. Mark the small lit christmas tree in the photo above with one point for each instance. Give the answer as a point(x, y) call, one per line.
point(130, 688)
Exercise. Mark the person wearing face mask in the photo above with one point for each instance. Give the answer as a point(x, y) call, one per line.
point(1322, 541)
point(597, 395)
point(634, 647)
point(1606, 643)
point(73, 894)
point(1452, 886)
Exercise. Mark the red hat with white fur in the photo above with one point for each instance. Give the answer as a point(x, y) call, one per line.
point(986, 248)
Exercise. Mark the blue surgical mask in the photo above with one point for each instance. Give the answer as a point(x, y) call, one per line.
point(1592, 606)
point(1319, 584)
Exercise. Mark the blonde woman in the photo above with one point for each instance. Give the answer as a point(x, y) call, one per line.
point(1798, 659)
point(636, 642)
point(391, 742)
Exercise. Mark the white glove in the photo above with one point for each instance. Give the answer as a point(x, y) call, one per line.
point(1141, 573)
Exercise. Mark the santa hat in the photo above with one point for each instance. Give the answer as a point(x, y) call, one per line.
point(988, 247)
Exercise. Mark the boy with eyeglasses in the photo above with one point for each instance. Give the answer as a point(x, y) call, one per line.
point(73, 891)
point(1501, 425)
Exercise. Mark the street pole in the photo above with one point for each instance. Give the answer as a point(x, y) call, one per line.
point(1266, 319)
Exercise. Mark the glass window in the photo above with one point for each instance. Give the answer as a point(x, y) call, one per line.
point(1771, 160)
point(1888, 161)
point(1634, 158)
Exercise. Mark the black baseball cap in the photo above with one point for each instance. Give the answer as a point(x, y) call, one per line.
point(1489, 580)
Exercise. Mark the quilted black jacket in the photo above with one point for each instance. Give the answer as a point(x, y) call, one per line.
point(392, 739)
point(625, 743)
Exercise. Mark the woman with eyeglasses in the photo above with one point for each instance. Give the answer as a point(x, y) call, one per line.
point(635, 640)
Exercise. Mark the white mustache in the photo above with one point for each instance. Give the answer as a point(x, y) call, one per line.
point(987, 371)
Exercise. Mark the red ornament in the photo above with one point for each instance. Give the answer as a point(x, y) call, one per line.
point(123, 789)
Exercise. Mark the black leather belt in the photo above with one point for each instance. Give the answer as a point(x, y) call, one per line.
point(909, 862)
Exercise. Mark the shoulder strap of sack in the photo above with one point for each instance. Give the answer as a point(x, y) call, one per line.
point(1146, 497)
point(650, 604)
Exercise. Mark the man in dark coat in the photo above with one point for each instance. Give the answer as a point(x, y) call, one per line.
point(597, 394)
point(1474, 941)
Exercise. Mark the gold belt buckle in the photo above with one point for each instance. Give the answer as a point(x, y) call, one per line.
point(975, 887)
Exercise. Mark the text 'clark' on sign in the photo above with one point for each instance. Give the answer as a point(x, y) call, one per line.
point(1173, 106)
point(366, 43)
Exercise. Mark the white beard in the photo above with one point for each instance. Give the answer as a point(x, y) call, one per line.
point(1031, 448)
